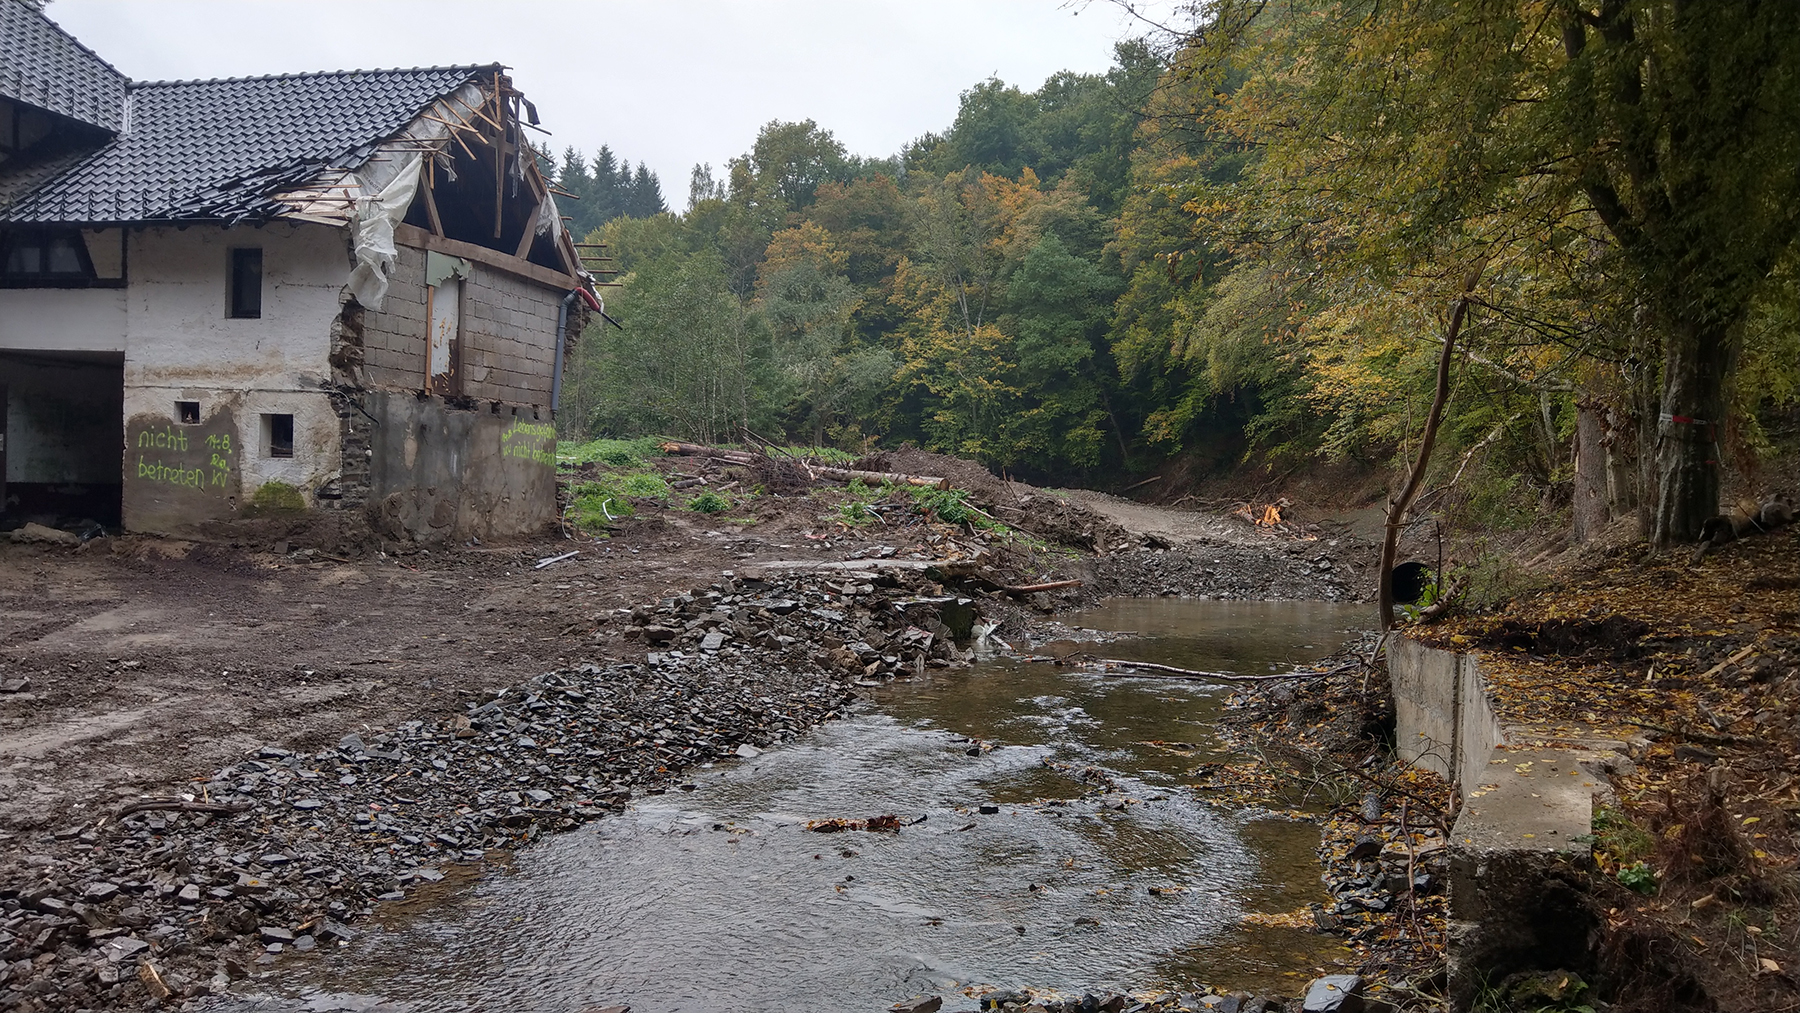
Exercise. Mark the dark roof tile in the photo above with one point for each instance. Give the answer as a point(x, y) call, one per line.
point(41, 65)
point(217, 149)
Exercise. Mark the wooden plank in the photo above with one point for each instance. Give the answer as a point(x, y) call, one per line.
point(413, 236)
point(530, 231)
point(431, 208)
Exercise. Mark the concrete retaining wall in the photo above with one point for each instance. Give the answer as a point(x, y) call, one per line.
point(1518, 864)
point(1444, 720)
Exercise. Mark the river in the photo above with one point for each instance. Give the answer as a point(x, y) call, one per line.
point(1008, 869)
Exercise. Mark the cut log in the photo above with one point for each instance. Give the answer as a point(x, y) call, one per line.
point(1135, 669)
point(698, 450)
point(878, 477)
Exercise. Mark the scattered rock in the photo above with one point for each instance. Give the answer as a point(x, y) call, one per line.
point(38, 533)
point(1334, 993)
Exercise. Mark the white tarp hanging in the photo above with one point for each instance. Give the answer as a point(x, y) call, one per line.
point(376, 216)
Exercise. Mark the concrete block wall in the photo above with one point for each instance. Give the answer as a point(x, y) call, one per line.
point(509, 338)
point(508, 334)
point(394, 339)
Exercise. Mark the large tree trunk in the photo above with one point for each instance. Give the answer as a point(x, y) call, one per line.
point(1590, 501)
point(1645, 406)
point(1696, 361)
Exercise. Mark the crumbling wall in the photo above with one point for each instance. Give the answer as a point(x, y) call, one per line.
point(441, 473)
point(477, 462)
point(393, 338)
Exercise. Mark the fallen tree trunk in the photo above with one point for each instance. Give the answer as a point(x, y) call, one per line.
point(1184, 674)
point(700, 450)
point(817, 471)
point(1055, 585)
point(877, 477)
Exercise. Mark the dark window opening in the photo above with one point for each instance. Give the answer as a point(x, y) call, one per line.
point(41, 255)
point(188, 412)
point(281, 435)
point(246, 284)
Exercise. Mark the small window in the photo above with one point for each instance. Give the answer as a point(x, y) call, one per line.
point(246, 284)
point(278, 435)
point(188, 412)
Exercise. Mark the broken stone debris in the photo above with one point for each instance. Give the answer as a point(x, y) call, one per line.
point(327, 835)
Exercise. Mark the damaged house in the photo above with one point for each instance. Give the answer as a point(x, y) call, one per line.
point(332, 291)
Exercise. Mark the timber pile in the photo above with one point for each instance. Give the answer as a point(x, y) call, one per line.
point(749, 459)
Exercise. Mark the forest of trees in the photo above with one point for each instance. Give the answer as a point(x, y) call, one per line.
point(1245, 242)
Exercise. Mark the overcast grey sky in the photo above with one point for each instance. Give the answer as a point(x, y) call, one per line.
point(668, 82)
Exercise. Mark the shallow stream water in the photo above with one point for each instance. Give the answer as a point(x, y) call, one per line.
point(721, 899)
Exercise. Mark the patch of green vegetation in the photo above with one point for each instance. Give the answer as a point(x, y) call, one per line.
point(595, 506)
point(1621, 847)
point(642, 484)
point(709, 502)
point(1618, 837)
point(859, 506)
point(612, 453)
point(1640, 877)
point(952, 507)
point(276, 498)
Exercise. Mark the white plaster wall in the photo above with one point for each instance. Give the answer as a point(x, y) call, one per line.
point(177, 322)
point(184, 347)
point(63, 319)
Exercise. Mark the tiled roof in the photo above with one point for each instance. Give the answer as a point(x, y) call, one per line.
point(216, 150)
point(41, 65)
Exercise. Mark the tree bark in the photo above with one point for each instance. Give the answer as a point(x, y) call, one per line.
point(1397, 507)
point(1590, 501)
point(1696, 361)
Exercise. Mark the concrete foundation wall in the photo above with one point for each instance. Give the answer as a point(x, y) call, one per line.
point(439, 473)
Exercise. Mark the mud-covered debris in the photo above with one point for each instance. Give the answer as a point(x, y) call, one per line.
point(887, 824)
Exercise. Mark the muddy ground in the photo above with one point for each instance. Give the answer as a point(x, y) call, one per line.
point(153, 660)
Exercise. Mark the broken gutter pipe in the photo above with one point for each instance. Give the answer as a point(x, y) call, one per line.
point(562, 339)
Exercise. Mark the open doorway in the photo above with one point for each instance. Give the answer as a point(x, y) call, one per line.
point(61, 438)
